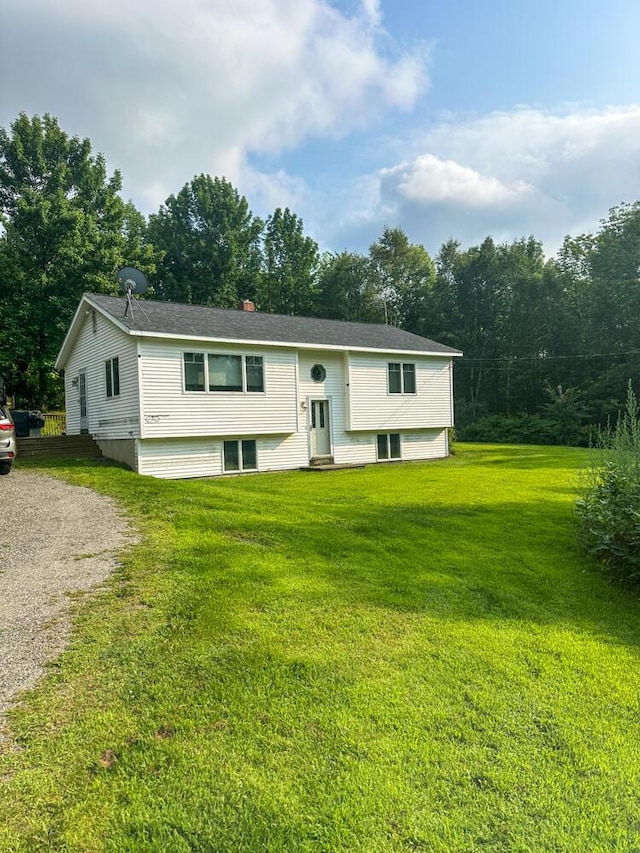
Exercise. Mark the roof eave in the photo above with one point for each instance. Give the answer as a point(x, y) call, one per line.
point(289, 344)
point(76, 326)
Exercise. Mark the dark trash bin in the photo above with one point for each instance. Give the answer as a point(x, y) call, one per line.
point(21, 422)
point(27, 423)
point(36, 422)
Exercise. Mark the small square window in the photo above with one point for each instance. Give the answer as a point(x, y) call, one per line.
point(240, 455)
point(388, 446)
point(402, 377)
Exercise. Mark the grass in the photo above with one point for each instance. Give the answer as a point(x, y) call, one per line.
point(405, 657)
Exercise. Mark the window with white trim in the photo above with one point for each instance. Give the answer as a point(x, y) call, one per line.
point(194, 371)
point(388, 446)
point(112, 376)
point(401, 377)
point(240, 455)
point(223, 372)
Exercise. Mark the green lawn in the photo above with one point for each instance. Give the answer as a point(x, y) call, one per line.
point(404, 657)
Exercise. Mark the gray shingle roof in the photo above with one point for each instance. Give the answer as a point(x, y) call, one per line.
point(171, 318)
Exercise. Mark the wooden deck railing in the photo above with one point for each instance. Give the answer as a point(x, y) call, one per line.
point(55, 423)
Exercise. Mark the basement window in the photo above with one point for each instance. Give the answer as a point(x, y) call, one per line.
point(240, 455)
point(388, 446)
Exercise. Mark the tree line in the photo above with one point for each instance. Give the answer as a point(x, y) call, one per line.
point(549, 344)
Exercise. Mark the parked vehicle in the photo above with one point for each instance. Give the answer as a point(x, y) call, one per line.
point(7, 441)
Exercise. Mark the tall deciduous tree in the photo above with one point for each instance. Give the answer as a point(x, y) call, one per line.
point(287, 285)
point(62, 220)
point(211, 244)
point(403, 275)
point(346, 290)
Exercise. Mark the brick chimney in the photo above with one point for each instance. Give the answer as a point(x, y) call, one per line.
point(247, 305)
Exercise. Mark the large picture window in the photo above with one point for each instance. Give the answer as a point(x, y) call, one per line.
point(388, 446)
point(220, 372)
point(402, 377)
point(240, 455)
point(225, 373)
point(112, 376)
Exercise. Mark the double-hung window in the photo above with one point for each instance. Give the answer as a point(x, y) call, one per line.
point(194, 371)
point(112, 376)
point(388, 445)
point(240, 455)
point(220, 372)
point(402, 377)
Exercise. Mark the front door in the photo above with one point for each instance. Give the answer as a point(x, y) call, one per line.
point(82, 400)
point(320, 432)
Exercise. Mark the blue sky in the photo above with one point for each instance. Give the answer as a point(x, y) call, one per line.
point(448, 119)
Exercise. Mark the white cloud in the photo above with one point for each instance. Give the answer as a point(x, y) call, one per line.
point(372, 11)
point(429, 179)
point(168, 90)
point(509, 174)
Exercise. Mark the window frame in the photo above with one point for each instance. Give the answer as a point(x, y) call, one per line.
point(248, 361)
point(184, 372)
point(401, 371)
point(240, 450)
point(112, 377)
point(230, 358)
point(388, 436)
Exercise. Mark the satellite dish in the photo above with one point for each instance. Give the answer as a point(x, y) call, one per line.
point(132, 280)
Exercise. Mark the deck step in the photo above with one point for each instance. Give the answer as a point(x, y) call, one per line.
point(58, 446)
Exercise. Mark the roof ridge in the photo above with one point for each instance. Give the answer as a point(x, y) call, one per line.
point(184, 320)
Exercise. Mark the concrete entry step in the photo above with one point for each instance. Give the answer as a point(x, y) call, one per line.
point(331, 466)
point(318, 461)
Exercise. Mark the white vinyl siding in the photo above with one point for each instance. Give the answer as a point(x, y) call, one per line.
point(107, 417)
point(169, 410)
point(175, 458)
point(372, 407)
point(430, 444)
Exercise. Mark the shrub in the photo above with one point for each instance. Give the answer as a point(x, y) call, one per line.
point(521, 429)
point(609, 505)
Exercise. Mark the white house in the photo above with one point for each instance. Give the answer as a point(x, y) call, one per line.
point(189, 391)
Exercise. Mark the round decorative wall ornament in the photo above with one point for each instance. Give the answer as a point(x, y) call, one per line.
point(318, 373)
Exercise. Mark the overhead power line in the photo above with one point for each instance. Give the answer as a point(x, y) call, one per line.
point(541, 359)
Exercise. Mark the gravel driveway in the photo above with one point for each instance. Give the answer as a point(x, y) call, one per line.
point(54, 539)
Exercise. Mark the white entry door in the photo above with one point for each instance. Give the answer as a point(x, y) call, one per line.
point(82, 400)
point(320, 432)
